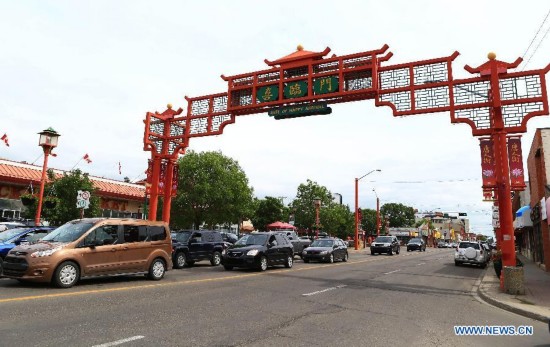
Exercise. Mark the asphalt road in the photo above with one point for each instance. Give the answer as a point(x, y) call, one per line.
point(412, 299)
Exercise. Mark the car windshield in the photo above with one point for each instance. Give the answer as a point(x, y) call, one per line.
point(68, 232)
point(322, 243)
point(252, 239)
point(9, 234)
point(182, 236)
point(469, 244)
point(415, 241)
point(383, 239)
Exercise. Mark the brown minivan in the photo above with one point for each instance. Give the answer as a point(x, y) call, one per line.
point(93, 247)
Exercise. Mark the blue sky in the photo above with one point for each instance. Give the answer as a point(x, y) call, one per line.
point(92, 69)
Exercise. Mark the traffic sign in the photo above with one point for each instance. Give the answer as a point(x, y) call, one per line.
point(83, 199)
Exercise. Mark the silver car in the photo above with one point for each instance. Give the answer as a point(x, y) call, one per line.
point(471, 252)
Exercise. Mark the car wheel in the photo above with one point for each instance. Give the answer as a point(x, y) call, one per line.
point(180, 261)
point(390, 252)
point(306, 260)
point(216, 259)
point(288, 263)
point(484, 265)
point(371, 253)
point(331, 258)
point(157, 270)
point(457, 263)
point(190, 262)
point(263, 263)
point(66, 275)
point(346, 256)
point(228, 267)
point(397, 251)
point(408, 250)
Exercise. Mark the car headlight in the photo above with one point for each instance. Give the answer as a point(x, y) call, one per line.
point(324, 252)
point(304, 252)
point(252, 252)
point(46, 253)
point(387, 244)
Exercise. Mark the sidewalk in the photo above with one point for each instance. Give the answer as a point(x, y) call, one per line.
point(536, 301)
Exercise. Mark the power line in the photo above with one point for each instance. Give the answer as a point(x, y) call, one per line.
point(533, 40)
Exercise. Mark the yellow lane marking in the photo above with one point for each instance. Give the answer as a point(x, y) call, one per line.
point(185, 282)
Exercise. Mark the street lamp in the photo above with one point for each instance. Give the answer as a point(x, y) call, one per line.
point(357, 207)
point(377, 213)
point(317, 203)
point(48, 141)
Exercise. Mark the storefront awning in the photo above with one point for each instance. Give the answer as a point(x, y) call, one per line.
point(522, 210)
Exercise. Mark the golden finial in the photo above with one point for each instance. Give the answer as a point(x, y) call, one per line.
point(169, 106)
point(491, 56)
point(300, 48)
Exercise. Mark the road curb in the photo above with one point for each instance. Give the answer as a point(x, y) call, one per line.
point(500, 304)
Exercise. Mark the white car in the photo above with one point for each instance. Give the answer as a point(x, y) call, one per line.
point(471, 252)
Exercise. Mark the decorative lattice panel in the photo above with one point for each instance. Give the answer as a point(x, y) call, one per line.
point(219, 104)
point(268, 77)
point(480, 116)
point(217, 122)
point(471, 93)
point(356, 62)
point(401, 101)
point(520, 87)
point(431, 98)
point(513, 115)
point(242, 97)
point(394, 78)
point(430, 73)
point(325, 67)
point(199, 126)
point(200, 107)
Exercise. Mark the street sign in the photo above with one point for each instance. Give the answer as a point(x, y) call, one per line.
point(83, 199)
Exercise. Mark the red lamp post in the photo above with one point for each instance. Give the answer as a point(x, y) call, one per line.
point(357, 207)
point(48, 140)
point(317, 203)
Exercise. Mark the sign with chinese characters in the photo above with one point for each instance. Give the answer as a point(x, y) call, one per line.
point(299, 110)
point(268, 93)
point(517, 181)
point(325, 85)
point(295, 89)
point(488, 169)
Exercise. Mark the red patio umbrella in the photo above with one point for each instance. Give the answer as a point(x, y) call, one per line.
point(280, 225)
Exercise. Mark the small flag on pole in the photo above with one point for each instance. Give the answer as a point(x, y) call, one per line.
point(119, 168)
point(5, 139)
point(87, 158)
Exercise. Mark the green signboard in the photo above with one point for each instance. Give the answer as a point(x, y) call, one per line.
point(295, 89)
point(267, 93)
point(294, 111)
point(325, 85)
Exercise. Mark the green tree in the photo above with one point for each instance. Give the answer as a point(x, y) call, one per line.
point(64, 190)
point(481, 237)
point(368, 222)
point(212, 189)
point(303, 207)
point(267, 211)
point(399, 215)
point(337, 220)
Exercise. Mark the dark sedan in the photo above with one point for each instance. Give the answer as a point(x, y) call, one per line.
point(416, 245)
point(258, 251)
point(329, 250)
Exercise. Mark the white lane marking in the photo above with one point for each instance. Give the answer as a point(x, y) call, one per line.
point(324, 290)
point(119, 342)
point(387, 273)
point(420, 264)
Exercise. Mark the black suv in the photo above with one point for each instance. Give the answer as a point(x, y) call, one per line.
point(385, 244)
point(189, 246)
point(258, 251)
point(416, 244)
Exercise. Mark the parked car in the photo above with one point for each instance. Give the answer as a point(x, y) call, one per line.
point(93, 247)
point(416, 244)
point(470, 252)
point(385, 244)
point(10, 225)
point(297, 244)
point(190, 246)
point(11, 238)
point(258, 251)
point(329, 250)
point(441, 244)
point(229, 237)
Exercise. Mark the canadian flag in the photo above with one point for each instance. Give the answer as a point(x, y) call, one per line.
point(5, 139)
point(87, 158)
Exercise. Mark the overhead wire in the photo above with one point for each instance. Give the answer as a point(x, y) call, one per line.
point(533, 40)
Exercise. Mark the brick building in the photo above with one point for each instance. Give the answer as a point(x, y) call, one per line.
point(538, 164)
point(117, 198)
